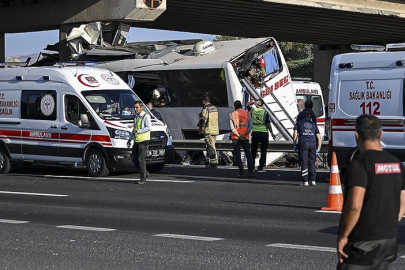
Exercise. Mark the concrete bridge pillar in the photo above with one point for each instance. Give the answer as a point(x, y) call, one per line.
point(64, 52)
point(323, 55)
point(2, 47)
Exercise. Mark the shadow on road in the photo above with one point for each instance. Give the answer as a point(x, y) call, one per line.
point(273, 204)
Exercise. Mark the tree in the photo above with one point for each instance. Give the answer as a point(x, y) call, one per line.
point(296, 51)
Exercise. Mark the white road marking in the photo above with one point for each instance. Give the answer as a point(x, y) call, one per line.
point(116, 179)
point(403, 257)
point(315, 248)
point(33, 194)
point(10, 221)
point(189, 237)
point(73, 227)
point(329, 212)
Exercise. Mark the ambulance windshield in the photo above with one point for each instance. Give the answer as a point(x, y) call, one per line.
point(112, 104)
point(317, 101)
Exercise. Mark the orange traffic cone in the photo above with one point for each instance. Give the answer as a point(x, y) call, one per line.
point(335, 198)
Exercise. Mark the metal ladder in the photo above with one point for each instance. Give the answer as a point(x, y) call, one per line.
point(278, 123)
point(286, 133)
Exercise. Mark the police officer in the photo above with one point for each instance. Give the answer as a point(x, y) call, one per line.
point(208, 126)
point(241, 126)
point(141, 138)
point(260, 133)
point(306, 133)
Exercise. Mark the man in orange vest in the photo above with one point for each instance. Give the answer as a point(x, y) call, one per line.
point(241, 126)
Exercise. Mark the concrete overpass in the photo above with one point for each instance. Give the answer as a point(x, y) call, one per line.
point(330, 24)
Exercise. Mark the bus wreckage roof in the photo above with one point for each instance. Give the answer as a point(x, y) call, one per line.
point(184, 58)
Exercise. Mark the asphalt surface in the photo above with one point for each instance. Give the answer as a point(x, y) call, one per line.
point(185, 217)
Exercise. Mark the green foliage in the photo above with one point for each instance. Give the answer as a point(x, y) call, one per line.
point(225, 38)
point(296, 51)
point(301, 68)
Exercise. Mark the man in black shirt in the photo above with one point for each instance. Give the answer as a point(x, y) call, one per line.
point(374, 203)
point(308, 108)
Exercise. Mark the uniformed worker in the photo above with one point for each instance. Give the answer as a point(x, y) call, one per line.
point(260, 133)
point(240, 122)
point(257, 71)
point(208, 126)
point(307, 134)
point(141, 138)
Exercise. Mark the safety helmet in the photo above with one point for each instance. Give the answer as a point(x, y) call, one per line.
point(261, 62)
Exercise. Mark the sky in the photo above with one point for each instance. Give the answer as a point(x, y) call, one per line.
point(35, 42)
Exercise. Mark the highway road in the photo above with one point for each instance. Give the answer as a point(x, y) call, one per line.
point(186, 217)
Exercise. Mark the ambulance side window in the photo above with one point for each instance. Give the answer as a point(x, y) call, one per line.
point(38, 104)
point(74, 108)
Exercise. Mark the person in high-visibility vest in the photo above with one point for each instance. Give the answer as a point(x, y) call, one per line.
point(141, 138)
point(260, 133)
point(209, 127)
point(241, 126)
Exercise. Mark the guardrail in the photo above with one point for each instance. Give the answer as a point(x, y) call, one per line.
point(226, 145)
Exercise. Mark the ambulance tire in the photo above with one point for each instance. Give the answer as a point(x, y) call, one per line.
point(155, 168)
point(96, 164)
point(5, 165)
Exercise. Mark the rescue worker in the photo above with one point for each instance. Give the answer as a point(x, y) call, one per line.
point(241, 126)
point(257, 71)
point(141, 138)
point(308, 108)
point(208, 126)
point(154, 111)
point(307, 134)
point(260, 133)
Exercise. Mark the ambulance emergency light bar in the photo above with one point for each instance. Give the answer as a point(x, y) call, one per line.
point(395, 47)
point(367, 48)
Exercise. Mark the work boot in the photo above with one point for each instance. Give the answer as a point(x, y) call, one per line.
point(141, 182)
point(241, 175)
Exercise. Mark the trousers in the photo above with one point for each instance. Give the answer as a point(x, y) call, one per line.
point(264, 143)
point(139, 157)
point(307, 151)
point(236, 151)
point(370, 255)
point(210, 141)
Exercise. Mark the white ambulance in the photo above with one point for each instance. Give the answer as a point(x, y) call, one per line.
point(307, 90)
point(72, 115)
point(370, 81)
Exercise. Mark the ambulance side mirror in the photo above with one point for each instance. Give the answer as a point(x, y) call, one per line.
point(84, 121)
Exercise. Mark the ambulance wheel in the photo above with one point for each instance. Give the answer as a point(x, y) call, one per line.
point(155, 168)
point(5, 165)
point(96, 164)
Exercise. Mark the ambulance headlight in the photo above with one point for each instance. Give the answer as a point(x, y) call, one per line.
point(118, 134)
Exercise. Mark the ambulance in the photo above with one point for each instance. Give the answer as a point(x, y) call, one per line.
point(368, 81)
point(307, 90)
point(73, 116)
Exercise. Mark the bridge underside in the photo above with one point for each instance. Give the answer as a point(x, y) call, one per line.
point(309, 21)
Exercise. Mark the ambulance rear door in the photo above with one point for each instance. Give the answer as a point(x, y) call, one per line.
point(376, 92)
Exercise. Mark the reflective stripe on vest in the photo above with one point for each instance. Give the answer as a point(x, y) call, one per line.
point(138, 125)
point(259, 120)
point(240, 119)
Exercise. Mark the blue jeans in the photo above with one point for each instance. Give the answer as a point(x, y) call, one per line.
point(307, 151)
